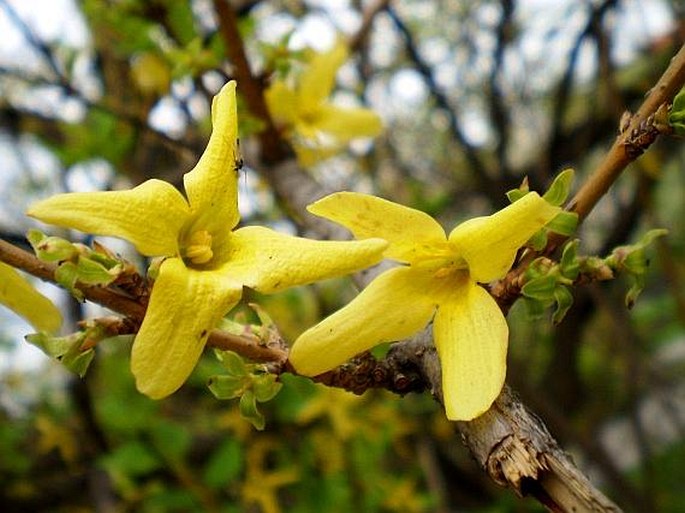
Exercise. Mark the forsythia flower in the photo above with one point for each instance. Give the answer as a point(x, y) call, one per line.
point(18, 295)
point(317, 128)
point(207, 263)
point(439, 281)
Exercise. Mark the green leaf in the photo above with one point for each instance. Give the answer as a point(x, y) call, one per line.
point(266, 387)
point(55, 347)
point(249, 411)
point(534, 308)
point(78, 361)
point(564, 223)
point(538, 241)
point(66, 275)
point(561, 186)
point(171, 439)
point(181, 21)
point(541, 289)
point(51, 249)
point(91, 272)
point(564, 300)
point(569, 265)
point(228, 387)
point(66, 350)
point(516, 194)
point(232, 362)
point(225, 464)
point(132, 459)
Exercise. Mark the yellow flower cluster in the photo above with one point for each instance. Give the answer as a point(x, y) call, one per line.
point(207, 261)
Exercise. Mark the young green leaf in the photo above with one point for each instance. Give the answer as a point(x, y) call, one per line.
point(560, 188)
point(249, 411)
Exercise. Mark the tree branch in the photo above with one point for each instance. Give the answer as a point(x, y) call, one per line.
point(640, 133)
point(134, 309)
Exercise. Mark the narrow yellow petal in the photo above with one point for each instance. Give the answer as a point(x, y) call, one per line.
point(308, 155)
point(150, 216)
point(212, 185)
point(317, 82)
point(282, 103)
point(268, 261)
point(470, 335)
point(346, 124)
point(185, 306)
point(18, 295)
point(410, 232)
point(489, 244)
point(395, 305)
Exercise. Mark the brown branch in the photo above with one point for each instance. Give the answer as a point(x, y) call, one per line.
point(639, 134)
point(250, 87)
point(509, 442)
point(134, 310)
point(370, 14)
point(482, 173)
point(635, 139)
point(46, 271)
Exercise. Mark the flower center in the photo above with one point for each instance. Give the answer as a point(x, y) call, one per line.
point(441, 262)
point(199, 248)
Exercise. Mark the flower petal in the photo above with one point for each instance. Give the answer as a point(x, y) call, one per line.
point(410, 232)
point(212, 185)
point(18, 295)
point(185, 306)
point(282, 103)
point(395, 305)
point(268, 261)
point(347, 124)
point(470, 335)
point(489, 244)
point(150, 216)
point(317, 81)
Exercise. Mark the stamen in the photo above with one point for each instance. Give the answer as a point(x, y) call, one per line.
point(199, 249)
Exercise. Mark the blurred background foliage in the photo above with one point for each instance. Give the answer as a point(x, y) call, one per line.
point(474, 96)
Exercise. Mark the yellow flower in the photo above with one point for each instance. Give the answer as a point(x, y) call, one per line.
point(439, 280)
point(317, 128)
point(18, 295)
point(207, 263)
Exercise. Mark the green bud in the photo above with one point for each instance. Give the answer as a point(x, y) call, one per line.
point(538, 267)
point(53, 249)
point(35, 237)
point(676, 117)
point(596, 268)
